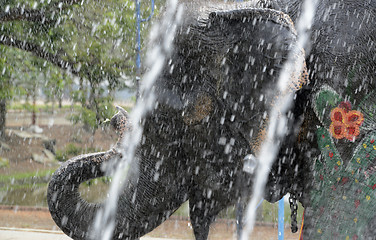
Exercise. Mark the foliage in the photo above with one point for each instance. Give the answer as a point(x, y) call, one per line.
point(72, 150)
point(60, 156)
point(93, 119)
point(96, 181)
point(56, 85)
point(6, 88)
point(12, 178)
point(4, 162)
point(69, 151)
point(93, 41)
point(87, 117)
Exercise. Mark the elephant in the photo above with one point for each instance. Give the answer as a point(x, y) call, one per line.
point(213, 101)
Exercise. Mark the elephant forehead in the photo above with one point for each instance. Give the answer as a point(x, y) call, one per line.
point(198, 13)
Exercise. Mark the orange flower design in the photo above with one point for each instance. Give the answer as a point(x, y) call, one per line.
point(345, 122)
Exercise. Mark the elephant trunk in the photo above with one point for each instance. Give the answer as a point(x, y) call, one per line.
point(146, 201)
point(71, 213)
point(142, 206)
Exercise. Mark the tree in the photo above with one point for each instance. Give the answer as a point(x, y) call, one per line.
point(6, 88)
point(56, 84)
point(92, 40)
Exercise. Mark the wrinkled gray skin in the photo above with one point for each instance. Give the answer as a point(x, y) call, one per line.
point(212, 98)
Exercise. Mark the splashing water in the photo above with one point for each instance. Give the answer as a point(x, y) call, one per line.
point(277, 124)
point(104, 222)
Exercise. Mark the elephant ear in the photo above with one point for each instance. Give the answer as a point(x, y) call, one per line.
point(267, 36)
point(250, 31)
point(252, 15)
point(249, 48)
point(323, 102)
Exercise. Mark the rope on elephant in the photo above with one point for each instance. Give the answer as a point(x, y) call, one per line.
point(301, 228)
point(294, 212)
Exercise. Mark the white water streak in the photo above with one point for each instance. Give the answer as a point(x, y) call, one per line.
point(270, 148)
point(104, 223)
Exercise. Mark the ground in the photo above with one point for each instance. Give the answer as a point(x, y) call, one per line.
point(61, 130)
point(174, 228)
point(56, 126)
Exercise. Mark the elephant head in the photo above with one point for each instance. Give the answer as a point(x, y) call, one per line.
point(212, 107)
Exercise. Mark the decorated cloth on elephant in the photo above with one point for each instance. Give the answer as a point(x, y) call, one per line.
point(344, 192)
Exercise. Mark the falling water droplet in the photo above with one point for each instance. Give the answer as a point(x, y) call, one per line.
point(250, 163)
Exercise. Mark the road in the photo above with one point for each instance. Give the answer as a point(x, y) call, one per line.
point(37, 234)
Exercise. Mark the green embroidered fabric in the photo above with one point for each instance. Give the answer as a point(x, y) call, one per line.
point(344, 195)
